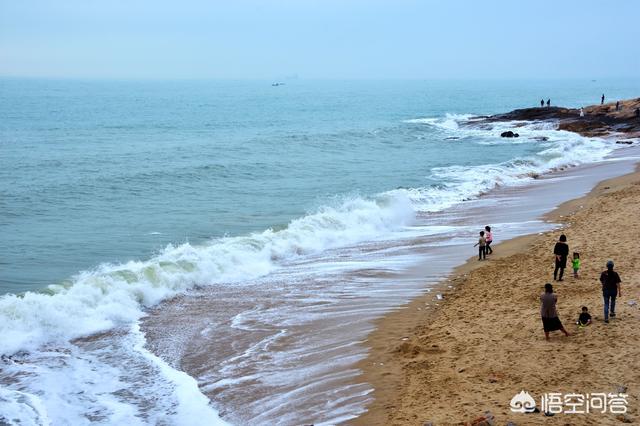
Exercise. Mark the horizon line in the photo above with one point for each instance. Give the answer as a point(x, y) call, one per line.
point(294, 79)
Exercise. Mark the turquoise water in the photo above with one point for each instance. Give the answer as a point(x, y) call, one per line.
point(95, 172)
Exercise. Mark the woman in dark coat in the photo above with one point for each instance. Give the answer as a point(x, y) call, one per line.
point(548, 312)
point(561, 250)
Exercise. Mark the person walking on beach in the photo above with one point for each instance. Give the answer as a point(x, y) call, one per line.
point(548, 103)
point(541, 103)
point(488, 236)
point(482, 243)
point(602, 100)
point(610, 290)
point(549, 313)
point(561, 251)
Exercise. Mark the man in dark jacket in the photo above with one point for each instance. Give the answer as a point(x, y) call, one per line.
point(610, 290)
point(561, 251)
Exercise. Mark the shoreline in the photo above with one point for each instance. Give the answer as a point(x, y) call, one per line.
point(404, 343)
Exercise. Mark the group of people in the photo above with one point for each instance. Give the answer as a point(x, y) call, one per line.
point(582, 114)
point(484, 243)
point(609, 279)
point(601, 103)
point(618, 107)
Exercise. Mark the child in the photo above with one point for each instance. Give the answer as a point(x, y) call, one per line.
point(584, 319)
point(489, 238)
point(482, 243)
point(576, 264)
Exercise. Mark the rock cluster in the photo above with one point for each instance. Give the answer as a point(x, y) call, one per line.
point(598, 120)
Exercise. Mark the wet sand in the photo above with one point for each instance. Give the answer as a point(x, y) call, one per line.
point(450, 361)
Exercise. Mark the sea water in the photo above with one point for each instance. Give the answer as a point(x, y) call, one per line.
point(126, 205)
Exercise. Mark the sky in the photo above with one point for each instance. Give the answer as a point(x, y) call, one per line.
point(333, 39)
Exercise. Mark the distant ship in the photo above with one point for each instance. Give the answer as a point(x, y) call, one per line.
point(277, 84)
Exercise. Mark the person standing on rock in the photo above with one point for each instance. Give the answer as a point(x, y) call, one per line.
point(549, 313)
point(617, 105)
point(581, 112)
point(610, 281)
point(561, 251)
point(548, 103)
point(602, 100)
point(541, 103)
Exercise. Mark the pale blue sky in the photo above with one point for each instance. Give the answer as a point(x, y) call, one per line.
point(319, 39)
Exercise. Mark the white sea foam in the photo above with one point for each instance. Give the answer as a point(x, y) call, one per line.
point(448, 122)
point(115, 295)
point(192, 406)
point(23, 406)
point(116, 381)
point(556, 149)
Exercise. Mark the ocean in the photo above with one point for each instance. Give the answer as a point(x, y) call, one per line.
point(202, 252)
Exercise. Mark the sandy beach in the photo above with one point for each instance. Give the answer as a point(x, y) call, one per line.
point(451, 361)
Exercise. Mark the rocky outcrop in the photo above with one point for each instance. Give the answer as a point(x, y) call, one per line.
point(598, 120)
point(509, 134)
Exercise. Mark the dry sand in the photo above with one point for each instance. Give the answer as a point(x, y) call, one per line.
point(484, 343)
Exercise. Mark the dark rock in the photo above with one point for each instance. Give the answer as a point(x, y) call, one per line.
point(507, 134)
point(515, 135)
point(624, 142)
